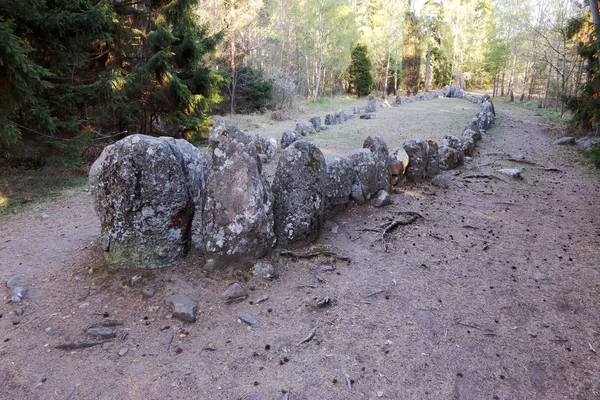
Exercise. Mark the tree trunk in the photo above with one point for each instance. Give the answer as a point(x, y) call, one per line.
point(396, 72)
point(502, 83)
point(545, 103)
point(596, 19)
point(387, 69)
point(427, 68)
point(524, 82)
point(232, 57)
point(511, 85)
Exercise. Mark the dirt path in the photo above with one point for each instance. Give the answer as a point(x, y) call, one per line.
point(452, 311)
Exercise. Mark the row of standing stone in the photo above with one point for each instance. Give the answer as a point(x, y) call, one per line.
point(147, 191)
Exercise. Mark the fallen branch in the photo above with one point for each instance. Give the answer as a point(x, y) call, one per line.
point(483, 177)
point(324, 252)
point(474, 327)
point(79, 345)
point(374, 293)
point(308, 337)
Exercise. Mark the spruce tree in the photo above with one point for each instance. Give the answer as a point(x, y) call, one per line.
point(359, 71)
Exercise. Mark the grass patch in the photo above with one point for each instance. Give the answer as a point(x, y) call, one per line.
point(549, 113)
point(20, 189)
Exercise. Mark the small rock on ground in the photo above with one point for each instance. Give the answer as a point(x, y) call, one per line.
point(249, 319)
point(264, 270)
point(101, 333)
point(19, 294)
point(16, 280)
point(440, 181)
point(148, 292)
point(82, 294)
point(235, 292)
point(123, 351)
point(512, 172)
point(539, 276)
point(183, 307)
point(383, 199)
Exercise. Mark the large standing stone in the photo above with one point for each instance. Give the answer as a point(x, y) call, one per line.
point(398, 161)
point(418, 155)
point(238, 213)
point(265, 148)
point(433, 166)
point(473, 126)
point(338, 182)
point(340, 116)
point(305, 128)
point(381, 155)
point(144, 191)
point(288, 137)
point(299, 195)
point(330, 119)
point(365, 168)
point(316, 123)
point(449, 157)
point(371, 106)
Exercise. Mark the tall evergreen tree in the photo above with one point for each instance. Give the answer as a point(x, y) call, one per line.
point(359, 71)
point(411, 54)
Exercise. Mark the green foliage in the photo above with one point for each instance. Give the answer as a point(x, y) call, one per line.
point(594, 156)
point(360, 77)
point(252, 91)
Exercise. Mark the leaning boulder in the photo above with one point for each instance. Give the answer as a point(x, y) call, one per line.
point(238, 213)
point(299, 194)
point(305, 128)
point(288, 137)
point(144, 192)
point(418, 155)
point(381, 155)
point(472, 125)
point(338, 183)
point(365, 181)
point(450, 157)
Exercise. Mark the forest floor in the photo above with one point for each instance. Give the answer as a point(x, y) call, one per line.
point(493, 294)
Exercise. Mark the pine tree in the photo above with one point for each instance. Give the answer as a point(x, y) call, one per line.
point(411, 54)
point(359, 71)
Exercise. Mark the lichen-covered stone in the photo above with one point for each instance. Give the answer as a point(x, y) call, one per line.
point(473, 126)
point(467, 146)
point(144, 191)
point(365, 181)
point(305, 128)
point(371, 106)
point(476, 136)
point(299, 194)
point(449, 157)
point(330, 119)
point(316, 123)
point(287, 138)
point(398, 162)
point(238, 211)
point(356, 110)
point(418, 155)
point(340, 116)
point(265, 147)
point(433, 166)
point(339, 179)
point(451, 141)
point(381, 155)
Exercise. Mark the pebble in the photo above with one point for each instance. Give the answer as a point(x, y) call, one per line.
point(327, 268)
point(383, 199)
point(148, 292)
point(183, 307)
point(539, 276)
point(44, 216)
point(335, 228)
point(101, 333)
point(107, 346)
point(123, 351)
point(512, 172)
point(249, 319)
point(409, 196)
point(235, 292)
point(441, 182)
point(19, 294)
point(16, 280)
point(264, 270)
point(82, 294)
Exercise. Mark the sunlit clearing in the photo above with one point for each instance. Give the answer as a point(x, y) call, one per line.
point(3, 200)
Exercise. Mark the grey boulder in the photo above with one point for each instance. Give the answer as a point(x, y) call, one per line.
point(371, 106)
point(264, 270)
point(565, 140)
point(330, 119)
point(299, 195)
point(338, 182)
point(316, 123)
point(418, 155)
point(398, 162)
point(305, 129)
point(288, 137)
point(145, 193)
point(238, 211)
point(183, 307)
point(265, 147)
point(433, 166)
point(381, 156)
point(365, 181)
point(383, 199)
point(450, 158)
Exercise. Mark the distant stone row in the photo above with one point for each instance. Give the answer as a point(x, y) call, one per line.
point(147, 191)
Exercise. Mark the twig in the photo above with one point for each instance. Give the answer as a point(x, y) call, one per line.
point(306, 286)
point(474, 327)
point(483, 177)
point(318, 278)
point(104, 323)
point(348, 382)
point(79, 345)
point(591, 348)
point(374, 293)
point(394, 224)
point(308, 337)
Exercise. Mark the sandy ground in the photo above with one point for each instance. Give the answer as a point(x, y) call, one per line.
point(451, 311)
